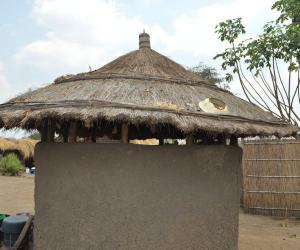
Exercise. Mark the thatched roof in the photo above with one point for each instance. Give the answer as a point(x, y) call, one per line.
point(24, 146)
point(141, 87)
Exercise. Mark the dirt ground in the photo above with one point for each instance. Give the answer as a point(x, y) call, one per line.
point(16, 194)
point(256, 232)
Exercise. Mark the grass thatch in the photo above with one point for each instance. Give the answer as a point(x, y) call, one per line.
point(135, 88)
point(271, 178)
point(153, 142)
point(25, 147)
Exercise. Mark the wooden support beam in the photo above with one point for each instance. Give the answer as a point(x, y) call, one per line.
point(234, 140)
point(72, 131)
point(43, 132)
point(124, 133)
point(94, 132)
point(189, 140)
point(161, 141)
point(208, 139)
point(221, 139)
point(65, 134)
point(50, 131)
point(23, 233)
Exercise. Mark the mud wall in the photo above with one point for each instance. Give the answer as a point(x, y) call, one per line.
point(132, 197)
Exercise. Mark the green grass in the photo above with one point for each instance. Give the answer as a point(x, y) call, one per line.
point(11, 165)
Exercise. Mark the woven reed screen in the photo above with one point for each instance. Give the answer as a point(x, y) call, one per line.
point(271, 178)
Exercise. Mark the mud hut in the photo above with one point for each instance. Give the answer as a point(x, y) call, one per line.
point(124, 196)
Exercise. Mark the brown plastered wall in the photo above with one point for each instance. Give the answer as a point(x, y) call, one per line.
point(133, 197)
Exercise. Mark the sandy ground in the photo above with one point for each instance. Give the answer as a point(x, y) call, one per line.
point(256, 232)
point(16, 194)
point(266, 233)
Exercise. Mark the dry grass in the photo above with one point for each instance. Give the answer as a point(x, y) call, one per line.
point(24, 146)
point(272, 184)
point(146, 142)
point(141, 87)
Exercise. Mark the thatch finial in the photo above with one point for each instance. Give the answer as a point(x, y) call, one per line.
point(144, 40)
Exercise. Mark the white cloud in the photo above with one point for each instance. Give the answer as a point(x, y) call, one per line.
point(57, 52)
point(92, 32)
point(3, 81)
point(195, 32)
point(14, 133)
point(80, 33)
point(9, 90)
point(5, 88)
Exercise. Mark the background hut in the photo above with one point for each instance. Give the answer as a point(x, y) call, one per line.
point(23, 148)
point(124, 196)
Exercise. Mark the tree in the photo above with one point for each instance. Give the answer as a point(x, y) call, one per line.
point(35, 136)
point(289, 10)
point(209, 74)
point(258, 62)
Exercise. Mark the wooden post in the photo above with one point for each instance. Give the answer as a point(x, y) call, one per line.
point(124, 133)
point(50, 131)
point(189, 140)
point(43, 132)
point(161, 141)
point(221, 139)
point(94, 132)
point(233, 141)
point(72, 131)
point(65, 133)
point(208, 139)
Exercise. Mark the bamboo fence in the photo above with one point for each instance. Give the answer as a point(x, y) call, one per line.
point(271, 178)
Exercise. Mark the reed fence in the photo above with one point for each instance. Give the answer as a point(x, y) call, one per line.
point(271, 178)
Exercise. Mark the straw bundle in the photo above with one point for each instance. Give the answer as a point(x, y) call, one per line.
point(145, 142)
point(25, 147)
point(7, 145)
point(271, 178)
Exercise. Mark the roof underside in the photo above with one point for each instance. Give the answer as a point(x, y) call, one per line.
point(141, 87)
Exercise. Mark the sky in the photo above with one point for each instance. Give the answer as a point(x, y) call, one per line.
point(43, 39)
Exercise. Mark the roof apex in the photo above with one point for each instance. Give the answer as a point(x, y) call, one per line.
point(144, 40)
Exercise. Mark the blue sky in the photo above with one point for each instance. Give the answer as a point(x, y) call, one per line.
point(43, 39)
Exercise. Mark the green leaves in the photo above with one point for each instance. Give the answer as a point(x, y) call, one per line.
point(228, 77)
point(277, 41)
point(11, 165)
point(289, 10)
point(208, 73)
point(230, 30)
point(278, 44)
